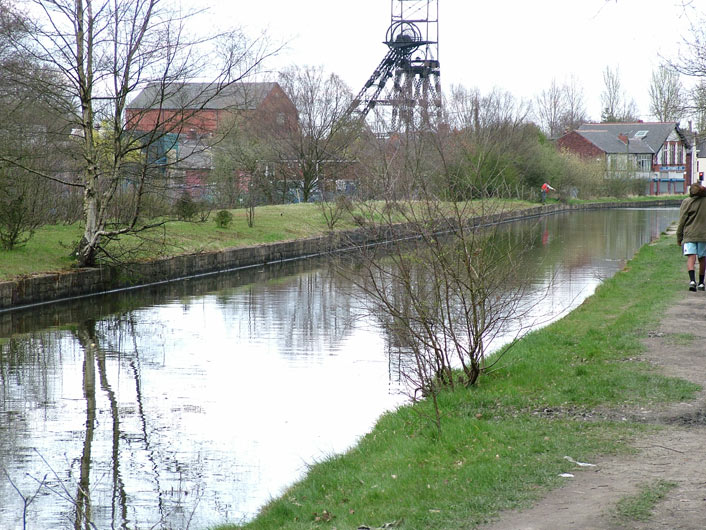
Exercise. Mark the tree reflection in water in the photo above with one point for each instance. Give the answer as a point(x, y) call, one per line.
point(83, 497)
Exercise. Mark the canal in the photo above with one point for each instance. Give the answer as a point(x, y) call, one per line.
point(191, 404)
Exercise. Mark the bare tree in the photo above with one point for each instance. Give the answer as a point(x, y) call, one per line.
point(692, 63)
point(551, 108)
point(697, 106)
point(575, 106)
point(616, 106)
point(560, 108)
point(28, 121)
point(244, 166)
point(24, 206)
point(453, 284)
point(105, 51)
point(611, 95)
point(666, 94)
point(321, 144)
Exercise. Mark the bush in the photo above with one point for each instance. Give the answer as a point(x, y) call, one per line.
point(621, 187)
point(224, 218)
point(185, 207)
point(580, 178)
point(16, 223)
point(23, 208)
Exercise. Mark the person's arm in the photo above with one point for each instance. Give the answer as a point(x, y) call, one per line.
point(680, 226)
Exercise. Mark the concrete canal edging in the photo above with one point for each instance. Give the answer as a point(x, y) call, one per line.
point(64, 285)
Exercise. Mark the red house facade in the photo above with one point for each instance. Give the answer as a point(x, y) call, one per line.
point(658, 152)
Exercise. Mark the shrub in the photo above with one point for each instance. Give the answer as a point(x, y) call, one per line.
point(23, 208)
point(185, 207)
point(16, 223)
point(224, 218)
point(623, 186)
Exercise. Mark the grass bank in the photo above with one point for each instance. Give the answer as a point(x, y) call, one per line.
point(503, 442)
point(51, 246)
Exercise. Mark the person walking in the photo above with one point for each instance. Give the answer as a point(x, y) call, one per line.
point(545, 188)
point(691, 233)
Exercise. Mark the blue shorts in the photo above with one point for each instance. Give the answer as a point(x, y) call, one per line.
point(695, 248)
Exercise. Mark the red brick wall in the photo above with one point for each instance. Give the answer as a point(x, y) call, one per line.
point(277, 103)
point(275, 114)
point(275, 111)
point(202, 121)
point(577, 144)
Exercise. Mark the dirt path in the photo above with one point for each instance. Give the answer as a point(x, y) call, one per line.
point(676, 454)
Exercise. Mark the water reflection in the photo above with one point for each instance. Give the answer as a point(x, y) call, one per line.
point(191, 404)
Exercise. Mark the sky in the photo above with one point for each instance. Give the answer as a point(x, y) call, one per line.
point(519, 46)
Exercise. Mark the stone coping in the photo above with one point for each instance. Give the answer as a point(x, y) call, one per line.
point(57, 286)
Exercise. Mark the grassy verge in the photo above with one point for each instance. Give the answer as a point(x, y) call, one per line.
point(503, 442)
point(639, 507)
point(52, 245)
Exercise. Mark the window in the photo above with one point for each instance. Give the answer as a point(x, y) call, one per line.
point(612, 162)
point(641, 134)
point(644, 162)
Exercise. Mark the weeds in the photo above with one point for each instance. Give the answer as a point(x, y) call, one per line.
point(639, 507)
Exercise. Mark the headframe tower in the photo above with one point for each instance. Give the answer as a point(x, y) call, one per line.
point(413, 101)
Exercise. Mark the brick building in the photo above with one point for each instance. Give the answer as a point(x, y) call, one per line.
point(188, 115)
point(658, 152)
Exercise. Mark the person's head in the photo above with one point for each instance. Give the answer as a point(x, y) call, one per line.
point(697, 189)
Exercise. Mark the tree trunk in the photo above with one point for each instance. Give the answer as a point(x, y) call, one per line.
point(89, 242)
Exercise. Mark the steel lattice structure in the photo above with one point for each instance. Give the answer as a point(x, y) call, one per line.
point(412, 61)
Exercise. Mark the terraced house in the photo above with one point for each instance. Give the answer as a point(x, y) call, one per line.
point(658, 152)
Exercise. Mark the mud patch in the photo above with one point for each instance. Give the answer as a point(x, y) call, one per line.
point(697, 418)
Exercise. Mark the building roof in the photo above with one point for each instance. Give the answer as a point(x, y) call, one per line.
point(643, 138)
point(183, 96)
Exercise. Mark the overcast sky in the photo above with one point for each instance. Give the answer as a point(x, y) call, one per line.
point(515, 45)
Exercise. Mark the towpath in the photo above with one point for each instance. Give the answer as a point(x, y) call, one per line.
point(675, 454)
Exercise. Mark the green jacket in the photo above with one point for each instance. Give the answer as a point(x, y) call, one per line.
point(692, 220)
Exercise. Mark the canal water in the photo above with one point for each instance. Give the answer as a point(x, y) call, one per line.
point(194, 403)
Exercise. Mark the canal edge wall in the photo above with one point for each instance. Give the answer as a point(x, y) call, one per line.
point(70, 284)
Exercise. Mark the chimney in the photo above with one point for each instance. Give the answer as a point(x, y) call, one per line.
point(623, 138)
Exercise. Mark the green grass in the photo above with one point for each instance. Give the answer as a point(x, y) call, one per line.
point(51, 246)
point(498, 448)
point(681, 339)
point(639, 507)
point(49, 250)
